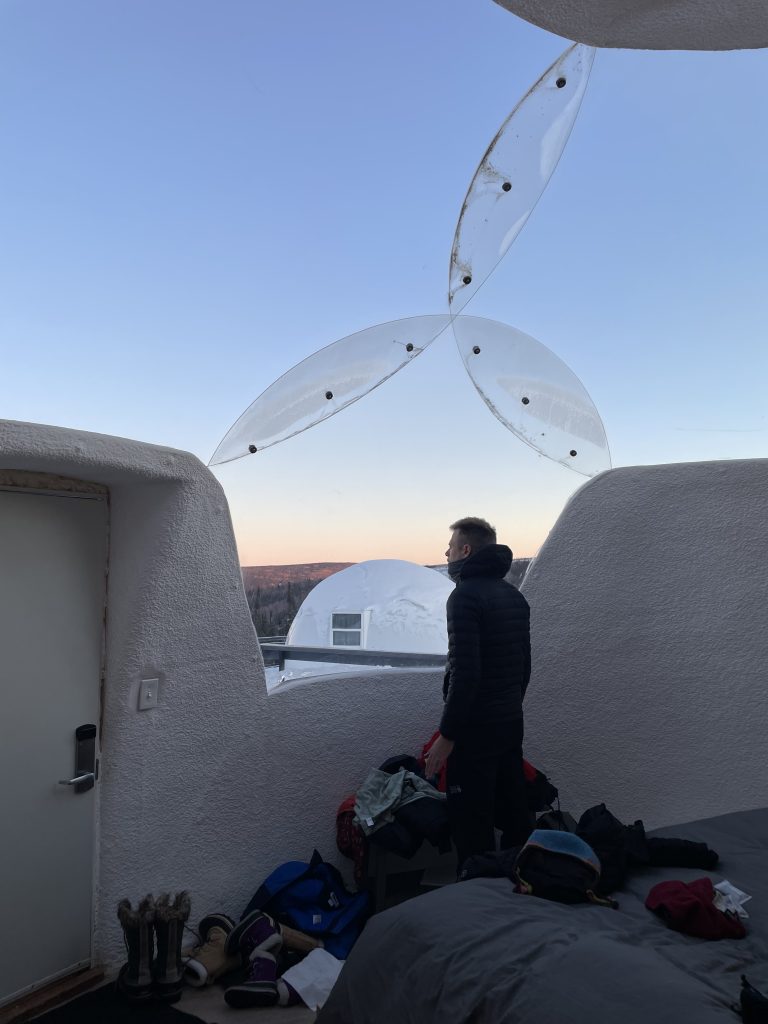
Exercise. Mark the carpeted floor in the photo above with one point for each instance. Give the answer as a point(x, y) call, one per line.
point(105, 1006)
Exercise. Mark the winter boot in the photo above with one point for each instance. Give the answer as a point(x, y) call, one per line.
point(135, 979)
point(298, 941)
point(256, 932)
point(209, 960)
point(287, 994)
point(257, 938)
point(259, 987)
point(288, 937)
point(170, 917)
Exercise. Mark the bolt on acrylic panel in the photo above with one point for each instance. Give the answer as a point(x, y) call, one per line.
point(514, 172)
point(523, 383)
point(327, 382)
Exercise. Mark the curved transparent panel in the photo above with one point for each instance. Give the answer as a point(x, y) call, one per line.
point(514, 172)
point(533, 393)
point(327, 382)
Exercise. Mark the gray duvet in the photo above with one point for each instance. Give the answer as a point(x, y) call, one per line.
point(479, 952)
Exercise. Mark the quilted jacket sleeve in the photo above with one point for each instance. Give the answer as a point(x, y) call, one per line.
point(464, 660)
point(526, 650)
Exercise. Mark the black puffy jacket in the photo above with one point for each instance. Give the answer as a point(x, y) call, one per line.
point(489, 646)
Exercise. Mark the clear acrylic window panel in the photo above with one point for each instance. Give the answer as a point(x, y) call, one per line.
point(533, 393)
point(347, 621)
point(346, 638)
point(327, 382)
point(515, 171)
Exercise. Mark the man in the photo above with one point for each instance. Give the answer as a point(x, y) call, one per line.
point(489, 665)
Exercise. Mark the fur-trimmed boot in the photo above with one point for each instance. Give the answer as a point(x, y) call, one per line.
point(135, 979)
point(170, 918)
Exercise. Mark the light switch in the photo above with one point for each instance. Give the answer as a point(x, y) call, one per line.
point(148, 693)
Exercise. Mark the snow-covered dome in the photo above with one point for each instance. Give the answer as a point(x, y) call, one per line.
point(381, 605)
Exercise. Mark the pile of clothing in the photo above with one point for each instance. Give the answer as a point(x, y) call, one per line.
point(619, 848)
point(592, 860)
point(397, 808)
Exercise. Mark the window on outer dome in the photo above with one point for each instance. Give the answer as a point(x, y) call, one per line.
point(346, 629)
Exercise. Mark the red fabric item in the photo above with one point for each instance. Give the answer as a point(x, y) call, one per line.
point(442, 785)
point(689, 907)
point(528, 769)
point(350, 839)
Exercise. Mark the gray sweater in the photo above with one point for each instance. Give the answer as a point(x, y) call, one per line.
point(382, 794)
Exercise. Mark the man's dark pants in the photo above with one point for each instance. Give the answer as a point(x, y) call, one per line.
point(486, 788)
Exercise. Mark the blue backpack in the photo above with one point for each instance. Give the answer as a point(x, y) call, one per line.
point(312, 898)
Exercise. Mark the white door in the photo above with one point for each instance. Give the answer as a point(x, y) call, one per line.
point(53, 552)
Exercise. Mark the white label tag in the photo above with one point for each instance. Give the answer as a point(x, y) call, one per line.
point(317, 918)
point(369, 822)
point(730, 900)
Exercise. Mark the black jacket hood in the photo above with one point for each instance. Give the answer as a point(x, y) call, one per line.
point(493, 561)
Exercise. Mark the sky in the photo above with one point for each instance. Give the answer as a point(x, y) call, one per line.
point(195, 195)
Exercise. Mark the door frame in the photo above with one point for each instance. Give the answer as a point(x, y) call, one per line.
point(54, 486)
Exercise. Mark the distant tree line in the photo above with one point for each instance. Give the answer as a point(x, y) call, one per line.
point(274, 608)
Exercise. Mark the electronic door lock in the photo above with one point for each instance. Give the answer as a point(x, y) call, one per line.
point(85, 760)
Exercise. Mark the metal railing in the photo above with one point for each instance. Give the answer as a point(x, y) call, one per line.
point(278, 654)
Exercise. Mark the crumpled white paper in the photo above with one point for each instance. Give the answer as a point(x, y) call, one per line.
point(314, 977)
point(730, 900)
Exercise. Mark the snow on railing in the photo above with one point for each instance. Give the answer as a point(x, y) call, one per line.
point(278, 654)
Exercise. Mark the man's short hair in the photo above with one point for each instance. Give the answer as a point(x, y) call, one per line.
point(476, 532)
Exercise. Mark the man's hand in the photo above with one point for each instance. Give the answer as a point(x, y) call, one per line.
point(438, 754)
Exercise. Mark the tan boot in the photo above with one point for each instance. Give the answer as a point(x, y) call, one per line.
point(209, 960)
point(298, 940)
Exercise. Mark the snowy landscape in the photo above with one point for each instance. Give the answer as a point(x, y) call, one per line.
point(379, 605)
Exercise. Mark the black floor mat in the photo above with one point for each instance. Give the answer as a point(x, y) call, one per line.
point(105, 1006)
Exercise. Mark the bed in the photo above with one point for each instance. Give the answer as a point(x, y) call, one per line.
point(479, 952)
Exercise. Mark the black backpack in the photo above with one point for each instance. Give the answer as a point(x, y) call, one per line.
point(559, 866)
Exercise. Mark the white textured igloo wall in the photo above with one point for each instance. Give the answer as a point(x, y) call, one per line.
point(651, 24)
point(220, 783)
point(650, 649)
point(324, 737)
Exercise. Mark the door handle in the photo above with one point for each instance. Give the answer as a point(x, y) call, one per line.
point(87, 777)
point(85, 760)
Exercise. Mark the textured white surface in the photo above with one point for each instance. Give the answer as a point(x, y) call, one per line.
point(650, 651)
point(404, 606)
point(648, 689)
point(651, 24)
point(220, 783)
